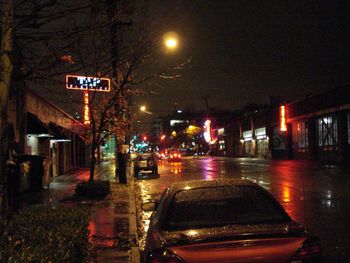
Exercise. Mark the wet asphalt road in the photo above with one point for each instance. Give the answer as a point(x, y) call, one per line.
point(314, 194)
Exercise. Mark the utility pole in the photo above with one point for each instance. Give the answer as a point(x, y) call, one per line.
point(112, 7)
point(120, 154)
point(6, 68)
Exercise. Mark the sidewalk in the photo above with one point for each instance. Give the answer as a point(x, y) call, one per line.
point(112, 227)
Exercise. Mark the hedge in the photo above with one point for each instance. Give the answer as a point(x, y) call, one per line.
point(93, 189)
point(47, 233)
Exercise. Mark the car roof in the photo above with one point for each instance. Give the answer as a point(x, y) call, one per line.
point(211, 183)
point(145, 154)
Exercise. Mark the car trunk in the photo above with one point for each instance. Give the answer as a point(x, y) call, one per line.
point(237, 243)
point(273, 249)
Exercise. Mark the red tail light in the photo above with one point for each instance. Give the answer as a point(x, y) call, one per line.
point(179, 155)
point(310, 251)
point(175, 154)
point(163, 256)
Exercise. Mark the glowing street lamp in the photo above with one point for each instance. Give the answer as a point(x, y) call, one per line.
point(171, 43)
point(144, 109)
point(170, 40)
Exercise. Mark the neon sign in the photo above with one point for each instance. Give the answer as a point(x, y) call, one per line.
point(207, 132)
point(283, 125)
point(86, 108)
point(207, 135)
point(88, 83)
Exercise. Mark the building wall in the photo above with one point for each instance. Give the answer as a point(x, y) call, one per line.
point(65, 156)
point(321, 126)
point(48, 112)
point(324, 141)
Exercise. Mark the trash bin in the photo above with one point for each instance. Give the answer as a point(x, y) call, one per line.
point(12, 172)
point(36, 170)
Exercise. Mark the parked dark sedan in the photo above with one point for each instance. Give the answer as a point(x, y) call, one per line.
point(224, 221)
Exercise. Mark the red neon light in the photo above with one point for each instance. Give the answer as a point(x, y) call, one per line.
point(283, 125)
point(86, 108)
point(207, 133)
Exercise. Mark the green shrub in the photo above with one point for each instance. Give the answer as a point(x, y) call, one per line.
point(93, 189)
point(44, 233)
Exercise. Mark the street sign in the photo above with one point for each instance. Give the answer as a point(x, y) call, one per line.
point(88, 83)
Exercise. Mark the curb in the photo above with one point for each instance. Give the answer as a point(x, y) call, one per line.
point(135, 251)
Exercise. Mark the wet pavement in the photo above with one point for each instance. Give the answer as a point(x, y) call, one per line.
point(312, 193)
point(113, 220)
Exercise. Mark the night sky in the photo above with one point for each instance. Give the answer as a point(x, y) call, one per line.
point(245, 51)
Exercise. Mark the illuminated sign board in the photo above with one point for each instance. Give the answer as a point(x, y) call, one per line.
point(207, 135)
point(86, 108)
point(207, 132)
point(260, 133)
point(88, 83)
point(221, 131)
point(247, 136)
point(283, 125)
point(173, 122)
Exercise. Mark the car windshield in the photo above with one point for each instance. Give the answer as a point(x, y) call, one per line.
point(144, 157)
point(217, 206)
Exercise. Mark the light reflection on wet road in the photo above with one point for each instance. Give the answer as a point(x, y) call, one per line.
point(314, 194)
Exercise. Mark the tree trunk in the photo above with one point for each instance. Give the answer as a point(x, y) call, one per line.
point(121, 158)
point(92, 162)
point(5, 79)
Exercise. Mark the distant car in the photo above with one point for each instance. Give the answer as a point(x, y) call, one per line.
point(162, 155)
point(224, 221)
point(145, 162)
point(174, 157)
point(198, 154)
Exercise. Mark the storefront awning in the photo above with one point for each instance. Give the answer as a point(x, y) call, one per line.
point(36, 126)
point(58, 132)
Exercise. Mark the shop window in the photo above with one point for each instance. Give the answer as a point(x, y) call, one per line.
point(222, 145)
point(300, 136)
point(327, 131)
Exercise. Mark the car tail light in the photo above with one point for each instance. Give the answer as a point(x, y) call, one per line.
point(175, 154)
point(310, 251)
point(179, 155)
point(163, 256)
point(171, 156)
